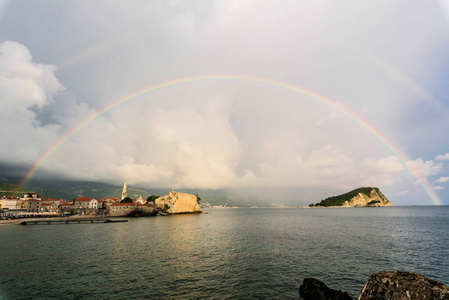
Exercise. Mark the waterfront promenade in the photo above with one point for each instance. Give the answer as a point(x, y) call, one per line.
point(75, 217)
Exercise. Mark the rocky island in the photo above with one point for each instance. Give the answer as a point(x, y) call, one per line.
point(361, 197)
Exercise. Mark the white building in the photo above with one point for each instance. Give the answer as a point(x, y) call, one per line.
point(94, 204)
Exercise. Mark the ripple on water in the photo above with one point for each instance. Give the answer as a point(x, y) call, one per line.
point(226, 254)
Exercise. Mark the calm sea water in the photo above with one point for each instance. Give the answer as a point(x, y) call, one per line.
point(225, 254)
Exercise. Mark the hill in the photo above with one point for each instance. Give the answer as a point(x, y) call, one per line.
point(361, 197)
point(8, 189)
point(70, 190)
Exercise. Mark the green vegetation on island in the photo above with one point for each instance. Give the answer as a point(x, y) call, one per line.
point(364, 196)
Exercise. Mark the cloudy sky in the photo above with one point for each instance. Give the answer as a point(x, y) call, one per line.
point(315, 97)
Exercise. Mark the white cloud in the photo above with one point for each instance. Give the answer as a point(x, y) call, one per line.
point(185, 145)
point(439, 188)
point(425, 168)
point(442, 179)
point(23, 82)
point(443, 157)
point(24, 85)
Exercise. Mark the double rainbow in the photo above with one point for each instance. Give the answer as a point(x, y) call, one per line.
point(311, 94)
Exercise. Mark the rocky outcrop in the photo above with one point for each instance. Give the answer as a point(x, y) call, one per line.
point(313, 289)
point(179, 203)
point(361, 197)
point(374, 199)
point(402, 285)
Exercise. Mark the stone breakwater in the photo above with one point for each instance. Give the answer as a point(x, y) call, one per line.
point(384, 285)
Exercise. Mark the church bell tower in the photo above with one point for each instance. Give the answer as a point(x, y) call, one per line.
point(124, 192)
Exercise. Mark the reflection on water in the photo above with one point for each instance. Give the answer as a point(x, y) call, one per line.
point(229, 253)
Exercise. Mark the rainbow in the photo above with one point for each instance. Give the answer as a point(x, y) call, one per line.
point(311, 94)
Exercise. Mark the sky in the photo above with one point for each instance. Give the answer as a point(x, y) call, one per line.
point(308, 98)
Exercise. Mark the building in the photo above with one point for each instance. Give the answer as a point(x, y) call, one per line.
point(67, 207)
point(55, 201)
point(112, 200)
point(108, 201)
point(49, 207)
point(11, 203)
point(140, 200)
point(95, 204)
point(125, 209)
point(121, 209)
point(82, 202)
point(33, 205)
point(31, 195)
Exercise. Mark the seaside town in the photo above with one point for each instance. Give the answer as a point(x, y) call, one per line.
point(31, 205)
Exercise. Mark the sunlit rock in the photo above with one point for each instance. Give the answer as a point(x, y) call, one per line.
point(361, 197)
point(178, 203)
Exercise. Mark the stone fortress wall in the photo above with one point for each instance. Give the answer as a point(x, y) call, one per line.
point(179, 203)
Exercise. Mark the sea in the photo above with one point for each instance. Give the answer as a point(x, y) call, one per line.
point(240, 253)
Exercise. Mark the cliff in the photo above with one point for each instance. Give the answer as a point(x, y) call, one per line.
point(361, 197)
point(178, 203)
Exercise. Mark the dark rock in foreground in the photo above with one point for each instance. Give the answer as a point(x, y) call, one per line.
point(313, 289)
point(402, 285)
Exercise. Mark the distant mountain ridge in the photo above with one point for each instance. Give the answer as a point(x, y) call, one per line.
point(361, 197)
point(73, 189)
point(70, 190)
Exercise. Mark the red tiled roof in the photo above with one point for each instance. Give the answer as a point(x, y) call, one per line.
point(83, 199)
point(123, 204)
point(112, 198)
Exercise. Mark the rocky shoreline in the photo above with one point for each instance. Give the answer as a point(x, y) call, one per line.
point(383, 285)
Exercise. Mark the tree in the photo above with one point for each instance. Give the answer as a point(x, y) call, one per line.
point(152, 198)
point(127, 200)
point(198, 199)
